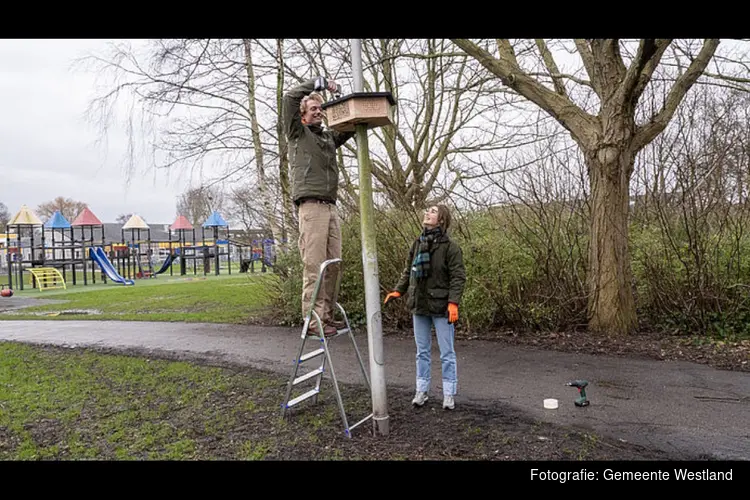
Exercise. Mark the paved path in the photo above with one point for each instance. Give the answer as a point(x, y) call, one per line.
point(679, 407)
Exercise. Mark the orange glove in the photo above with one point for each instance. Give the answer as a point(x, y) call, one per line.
point(392, 295)
point(452, 312)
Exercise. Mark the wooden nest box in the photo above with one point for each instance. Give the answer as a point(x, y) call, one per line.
point(375, 109)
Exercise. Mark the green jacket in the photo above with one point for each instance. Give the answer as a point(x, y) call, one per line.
point(312, 150)
point(430, 296)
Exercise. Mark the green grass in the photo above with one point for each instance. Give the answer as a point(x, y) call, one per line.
point(83, 405)
point(214, 299)
point(72, 404)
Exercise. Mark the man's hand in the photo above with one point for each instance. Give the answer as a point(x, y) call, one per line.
point(323, 83)
point(333, 86)
point(392, 295)
point(452, 312)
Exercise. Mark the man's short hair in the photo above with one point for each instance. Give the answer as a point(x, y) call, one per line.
point(306, 99)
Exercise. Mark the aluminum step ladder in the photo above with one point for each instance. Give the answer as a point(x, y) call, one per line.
point(322, 352)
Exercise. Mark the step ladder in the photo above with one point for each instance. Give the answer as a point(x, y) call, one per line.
point(322, 352)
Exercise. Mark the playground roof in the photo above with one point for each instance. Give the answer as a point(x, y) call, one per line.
point(87, 218)
point(25, 216)
point(135, 222)
point(181, 223)
point(57, 221)
point(215, 220)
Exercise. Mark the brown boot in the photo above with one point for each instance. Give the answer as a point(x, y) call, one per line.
point(328, 330)
point(337, 324)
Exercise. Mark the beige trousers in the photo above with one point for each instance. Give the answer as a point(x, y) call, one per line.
point(319, 240)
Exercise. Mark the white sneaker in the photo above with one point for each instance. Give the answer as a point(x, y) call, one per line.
point(419, 399)
point(448, 403)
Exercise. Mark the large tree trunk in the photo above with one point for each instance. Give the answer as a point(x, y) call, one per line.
point(611, 304)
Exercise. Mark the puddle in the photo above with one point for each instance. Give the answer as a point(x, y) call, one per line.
point(67, 312)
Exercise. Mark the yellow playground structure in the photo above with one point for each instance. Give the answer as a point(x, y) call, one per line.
point(46, 278)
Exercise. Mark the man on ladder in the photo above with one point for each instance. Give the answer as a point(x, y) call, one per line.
point(315, 181)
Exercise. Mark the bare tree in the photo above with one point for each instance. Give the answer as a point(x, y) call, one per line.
point(197, 204)
point(609, 137)
point(123, 218)
point(210, 90)
point(4, 216)
point(446, 112)
point(264, 193)
point(68, 207)
point(243, 207)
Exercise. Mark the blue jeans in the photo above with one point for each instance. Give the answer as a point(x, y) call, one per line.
point(423, 336)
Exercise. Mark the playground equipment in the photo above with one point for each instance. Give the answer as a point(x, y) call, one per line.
point(87, 220)
point(32, 245)
point(259, 251)
point(181, 226)
point(98, 256)
point(65, 251)
point(184, 247)
point(23, 245)
point(87, 244)
point(141, 257)
point(214, 222)
point(46, 278)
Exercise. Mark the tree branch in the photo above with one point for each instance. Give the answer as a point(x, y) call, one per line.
point(549, 62)
point(580, 124)
point(647, 132)
point(584, 50)
point(650, 67)
point(639, 73)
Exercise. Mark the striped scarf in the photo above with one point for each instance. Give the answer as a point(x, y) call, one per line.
point(420, 266)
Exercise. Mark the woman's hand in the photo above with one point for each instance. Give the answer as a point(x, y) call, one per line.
point(392, 295)
point(452, 312)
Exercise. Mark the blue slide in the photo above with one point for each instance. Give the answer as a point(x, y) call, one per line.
point(166, 264)
point(98, 256)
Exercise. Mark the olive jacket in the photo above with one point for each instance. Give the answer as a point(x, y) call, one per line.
point(312, 150)
point(430, 296)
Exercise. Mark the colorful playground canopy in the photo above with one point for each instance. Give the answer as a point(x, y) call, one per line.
point(135, 222)
point(25, 217)
point(57, 221)
point(215, 220)
point(181, 223)
point(87, 218)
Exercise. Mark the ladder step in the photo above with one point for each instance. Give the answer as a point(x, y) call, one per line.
point(307, 376)
point(303, 397)
point(311, 355)
point(368, 417)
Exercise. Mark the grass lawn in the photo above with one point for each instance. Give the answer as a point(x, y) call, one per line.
point(63, 404)
point(214, 299)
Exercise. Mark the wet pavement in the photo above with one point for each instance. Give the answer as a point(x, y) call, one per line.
point(684, 408)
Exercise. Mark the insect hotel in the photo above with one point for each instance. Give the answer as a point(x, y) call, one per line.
point(375, 109)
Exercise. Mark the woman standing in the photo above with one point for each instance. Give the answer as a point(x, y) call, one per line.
point(434, 279)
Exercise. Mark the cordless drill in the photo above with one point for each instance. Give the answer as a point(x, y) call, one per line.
point(321, 83)
point(581, 385)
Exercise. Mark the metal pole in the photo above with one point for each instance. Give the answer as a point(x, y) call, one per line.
point(370, 262)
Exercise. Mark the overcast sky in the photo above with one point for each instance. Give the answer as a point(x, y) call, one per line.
point(46, 146)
